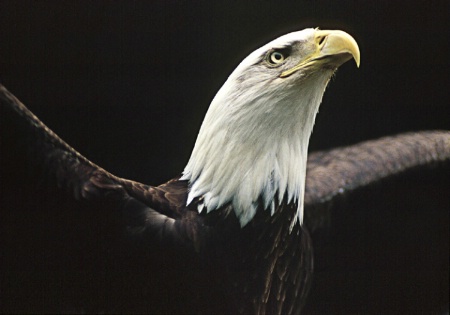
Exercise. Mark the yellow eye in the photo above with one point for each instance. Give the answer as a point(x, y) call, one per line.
point(276, 58)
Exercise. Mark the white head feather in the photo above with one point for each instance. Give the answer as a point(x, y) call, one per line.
point(253, 142)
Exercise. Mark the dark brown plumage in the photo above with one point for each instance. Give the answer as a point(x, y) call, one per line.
point(95, 242)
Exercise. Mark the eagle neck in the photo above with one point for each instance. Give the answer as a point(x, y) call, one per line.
point(251, 151)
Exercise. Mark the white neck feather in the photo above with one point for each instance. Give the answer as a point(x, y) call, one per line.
point(253, 151)
point(253, 143)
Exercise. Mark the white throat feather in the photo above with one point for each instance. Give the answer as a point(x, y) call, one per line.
point(252, 146)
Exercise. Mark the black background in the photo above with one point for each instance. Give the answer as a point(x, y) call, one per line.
point(128, 83)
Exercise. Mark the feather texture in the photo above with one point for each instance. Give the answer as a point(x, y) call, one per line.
point(122, 224)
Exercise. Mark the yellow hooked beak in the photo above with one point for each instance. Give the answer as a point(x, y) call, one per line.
point(331, 47)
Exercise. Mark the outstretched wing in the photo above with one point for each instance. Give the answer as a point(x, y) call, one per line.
point(342, 170)
point(337, 171)
point(25, 139)
point(60, 209)
point(383, 245)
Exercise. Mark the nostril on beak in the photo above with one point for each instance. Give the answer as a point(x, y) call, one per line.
point(322, 39)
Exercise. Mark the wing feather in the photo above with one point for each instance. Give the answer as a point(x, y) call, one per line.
point(341, 171)
point(25, 139)
point(337, 171)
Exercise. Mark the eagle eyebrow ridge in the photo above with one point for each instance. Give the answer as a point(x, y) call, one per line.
point(263, 56)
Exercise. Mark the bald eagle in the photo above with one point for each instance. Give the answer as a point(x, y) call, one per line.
point(229, 235)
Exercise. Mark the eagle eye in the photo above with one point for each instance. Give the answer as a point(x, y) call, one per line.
point(276, 57)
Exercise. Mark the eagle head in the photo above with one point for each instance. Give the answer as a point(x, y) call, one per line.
point(251, 150)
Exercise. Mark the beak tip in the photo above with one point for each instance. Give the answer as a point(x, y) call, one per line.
point(357, 61)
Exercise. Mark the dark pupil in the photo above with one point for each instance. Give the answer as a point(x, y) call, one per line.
point(277, 56)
